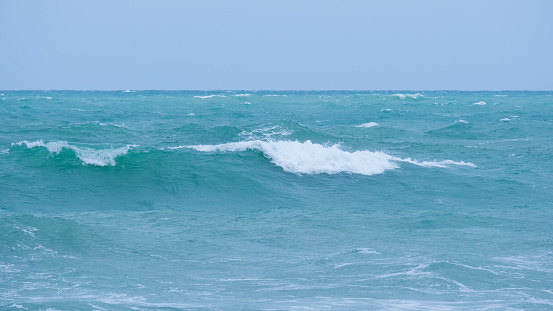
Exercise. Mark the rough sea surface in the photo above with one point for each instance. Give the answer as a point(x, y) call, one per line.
point(155, 200)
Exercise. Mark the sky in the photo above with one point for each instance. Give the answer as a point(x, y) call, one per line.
point(276, 45)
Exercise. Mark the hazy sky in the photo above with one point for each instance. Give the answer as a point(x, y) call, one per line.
point(277, 45)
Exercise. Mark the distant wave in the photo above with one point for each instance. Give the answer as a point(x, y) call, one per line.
point(311, 158)
point(480, 103)
point(413, 96)
point(370, 124)
point(91, 156)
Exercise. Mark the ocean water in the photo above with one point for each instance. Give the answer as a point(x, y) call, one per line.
point(181, 200)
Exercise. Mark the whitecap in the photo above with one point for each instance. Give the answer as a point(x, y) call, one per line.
point(366, 251)
point(209, 96)
point(461, 121)
point(92, 156)
point(480, 103)
point(122, 125)
point(370, 124)
point(191, 114)
point(241, 95)
point(14, 305)
point(413, 96)
point(505, 119)
point(311, 158)
point(267, 132)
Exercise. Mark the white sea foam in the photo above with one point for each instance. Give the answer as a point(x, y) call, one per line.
point(241, 95)
point(191, 114)
point(505, 119)
point(366, 251)
point(267, 132)
point(209, 96)
point(102, 124)
point(443, 163)
point(98, 157)
point(461, 121)
point(370, 124)
point(480, 103)
point(5, 151)
point(413, 96)
point(310, 158)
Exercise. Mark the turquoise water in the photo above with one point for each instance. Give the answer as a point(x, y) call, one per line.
point(154, 200)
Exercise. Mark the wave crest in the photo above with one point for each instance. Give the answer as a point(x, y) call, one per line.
point(89, 156)
point(311, 158)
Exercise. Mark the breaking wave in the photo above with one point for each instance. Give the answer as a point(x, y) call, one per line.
point(89, 156)
point(311, 158)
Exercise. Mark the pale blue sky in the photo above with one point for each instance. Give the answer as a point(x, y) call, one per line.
point(277, 45)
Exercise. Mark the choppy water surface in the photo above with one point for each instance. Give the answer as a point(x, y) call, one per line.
point(154, 200)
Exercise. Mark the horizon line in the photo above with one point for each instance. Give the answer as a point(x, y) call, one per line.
point(269, 90)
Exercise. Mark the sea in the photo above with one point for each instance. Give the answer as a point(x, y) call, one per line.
point(276, 200)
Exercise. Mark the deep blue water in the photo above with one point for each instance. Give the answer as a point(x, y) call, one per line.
point(155, 200)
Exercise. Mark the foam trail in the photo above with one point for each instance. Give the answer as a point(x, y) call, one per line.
point(209, 96)
point(310, 158)
point(443, 163)
point(98, 157)
point(480, 103)
point(370, 124)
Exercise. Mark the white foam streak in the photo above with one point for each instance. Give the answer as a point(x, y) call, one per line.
point(370, 124)
point(309, 158)
point(443, 163)
point(98, 157)
point(480, 103)
point(209, 96)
